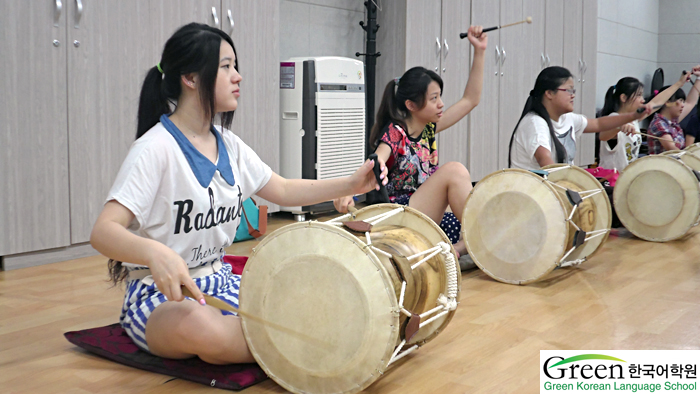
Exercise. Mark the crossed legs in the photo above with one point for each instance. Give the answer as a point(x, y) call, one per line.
point(185, 329)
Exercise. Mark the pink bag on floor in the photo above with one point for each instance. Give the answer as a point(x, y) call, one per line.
point(603, 174)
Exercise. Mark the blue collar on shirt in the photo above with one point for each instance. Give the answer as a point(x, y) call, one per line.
point(202, 167)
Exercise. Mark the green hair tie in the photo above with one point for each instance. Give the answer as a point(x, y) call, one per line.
point(159, 69)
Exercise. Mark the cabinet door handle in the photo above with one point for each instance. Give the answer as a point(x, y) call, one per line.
point(542, 60)
point(78, 12)
point(498, 59)
point(214, 16)
point(447, 51)
point(580, 69)
point(57, 12)
point(230, 19)
point(547, 56)
point(583, 75)
point(503, 58)
point(439, 49)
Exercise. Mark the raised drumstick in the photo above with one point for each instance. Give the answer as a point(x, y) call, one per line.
point(528, 20)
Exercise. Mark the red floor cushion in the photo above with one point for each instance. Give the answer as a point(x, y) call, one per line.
point(112, 343)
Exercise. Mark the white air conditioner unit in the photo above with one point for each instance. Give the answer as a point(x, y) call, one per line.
point(322, 130)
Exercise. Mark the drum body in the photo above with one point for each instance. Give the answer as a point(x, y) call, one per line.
point(657, 198)
point(694, 148)
point(688, 158)
point(348, 296)
point(518, 226)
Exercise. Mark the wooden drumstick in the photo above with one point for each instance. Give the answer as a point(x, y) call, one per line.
point(647, 135)
point(528, 20)
point(224, 306)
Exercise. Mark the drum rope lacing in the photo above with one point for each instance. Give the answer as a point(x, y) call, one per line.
point(589, 235)
point(447, 303)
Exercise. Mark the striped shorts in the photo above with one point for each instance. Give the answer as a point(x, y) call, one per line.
point(140, 300)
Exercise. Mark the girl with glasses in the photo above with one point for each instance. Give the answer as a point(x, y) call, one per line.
point(548, 129)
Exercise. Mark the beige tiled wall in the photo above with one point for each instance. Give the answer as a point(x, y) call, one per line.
point(628, 37)
point(321, 28)
point(679, 37)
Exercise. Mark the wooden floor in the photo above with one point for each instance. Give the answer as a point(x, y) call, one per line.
point(631, 295)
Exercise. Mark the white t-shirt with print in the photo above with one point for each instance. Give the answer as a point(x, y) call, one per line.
point(533, 132)
point(625, 151)
point(158, 185)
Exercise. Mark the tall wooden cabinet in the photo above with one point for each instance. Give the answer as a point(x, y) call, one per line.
point(74, 73)
point(34, 203)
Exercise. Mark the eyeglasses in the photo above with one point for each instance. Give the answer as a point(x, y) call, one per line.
point(570, 91)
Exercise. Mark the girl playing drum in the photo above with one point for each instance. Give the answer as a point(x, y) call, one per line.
point(409, 116)
point(548, 129)
point(180, 192)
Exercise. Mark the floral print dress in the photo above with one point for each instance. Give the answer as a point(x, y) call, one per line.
point(412, 160)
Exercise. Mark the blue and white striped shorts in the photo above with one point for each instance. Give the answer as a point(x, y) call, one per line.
point(140, 300)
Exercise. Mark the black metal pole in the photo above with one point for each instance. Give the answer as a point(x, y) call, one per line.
point(370, 55)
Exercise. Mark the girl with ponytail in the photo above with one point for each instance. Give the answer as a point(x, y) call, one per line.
point(180, 192)
point(548, 129)
point(403, 135)
point(620, 146)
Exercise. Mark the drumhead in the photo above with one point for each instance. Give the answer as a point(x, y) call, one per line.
point(601, 212)
point(323, 282)
point(430, 278)
point(514, 226)
point(657, 198)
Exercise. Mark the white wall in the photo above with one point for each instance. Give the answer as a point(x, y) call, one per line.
point(321, 28)
point(679, 37)
point(628, 42)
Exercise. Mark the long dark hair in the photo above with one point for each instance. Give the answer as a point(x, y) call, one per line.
point(628, 86)
point(412, 85)
point(194, 48)
point(549, 80)
point(677, 95)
